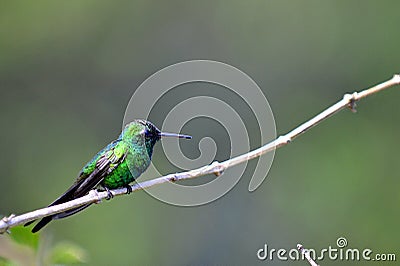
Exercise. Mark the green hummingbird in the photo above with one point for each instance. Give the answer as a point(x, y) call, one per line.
point(115, 166)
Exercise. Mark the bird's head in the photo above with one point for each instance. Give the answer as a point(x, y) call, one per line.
point(142, 130)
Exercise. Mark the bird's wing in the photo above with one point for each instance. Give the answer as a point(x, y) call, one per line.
point(107, 160)
point(106, 163)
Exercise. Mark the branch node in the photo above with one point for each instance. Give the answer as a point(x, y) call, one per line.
point(351, 99)
point(173, 178)
point(352, 106)
point(95, 194)
point(219, 168)
point(300, 248)
point(7, 220)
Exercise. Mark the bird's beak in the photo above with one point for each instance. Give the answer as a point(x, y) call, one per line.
point(175, 135)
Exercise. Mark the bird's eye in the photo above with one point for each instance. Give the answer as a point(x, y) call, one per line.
point(148, 133)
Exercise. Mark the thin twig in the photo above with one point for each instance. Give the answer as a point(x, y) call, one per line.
point(306, 254)
point(216, 168)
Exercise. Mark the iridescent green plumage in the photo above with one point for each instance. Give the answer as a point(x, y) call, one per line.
point(131, 144)
point(115, 166)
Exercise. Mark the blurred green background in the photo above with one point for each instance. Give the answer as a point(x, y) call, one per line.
point(69, 68)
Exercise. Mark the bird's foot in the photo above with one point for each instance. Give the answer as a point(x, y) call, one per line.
point(128, 189)
point(110, 195)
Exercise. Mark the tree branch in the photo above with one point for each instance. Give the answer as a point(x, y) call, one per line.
point(306, 254)
point(216, 168)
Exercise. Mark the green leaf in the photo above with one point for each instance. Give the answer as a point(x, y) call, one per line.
point(24, 236)
point(6, 262)
point(68, 253)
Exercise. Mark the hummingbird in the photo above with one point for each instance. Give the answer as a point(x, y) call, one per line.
point(115, 166)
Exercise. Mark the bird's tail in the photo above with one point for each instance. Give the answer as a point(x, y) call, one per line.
point(40, 224)
point(44, 221)
point(67, 196)
point(70, 212)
